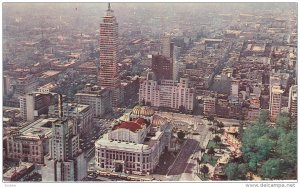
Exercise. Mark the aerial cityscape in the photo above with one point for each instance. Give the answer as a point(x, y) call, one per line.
point(97, 92)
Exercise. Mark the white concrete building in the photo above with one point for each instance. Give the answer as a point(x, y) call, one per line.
point(32, 105)
point(99, 99)
point(135, 144)
point(167, 93)
point(65, 161)
point(82, 112)
point(166, 45)
point(293, 101)
point(275, 102)
point(234, 88)
point(31, 143)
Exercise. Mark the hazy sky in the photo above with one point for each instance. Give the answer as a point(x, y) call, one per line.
point(90, 14)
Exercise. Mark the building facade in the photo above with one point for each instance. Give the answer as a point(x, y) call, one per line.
point(131, 90)
point(99, 99)
point(162, 66)
point(254, 107)
point(135, 144)
point(81, 113)
point(31, 143)
point(25, 85)
point(275, 103)
point(169, 50)
point(209, 105)
point(293, 101)
point(167, 46)
point(234, 91)
point(32, 105)
point(65, 160)
point(167, 93)
point(109, 56)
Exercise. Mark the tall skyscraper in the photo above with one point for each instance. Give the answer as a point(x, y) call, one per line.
point(65, 161)
point(168, 51)
point(108, 76)
point(166, 45)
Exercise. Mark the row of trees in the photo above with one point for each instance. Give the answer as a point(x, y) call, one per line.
point(268, 150)
point(216, 125)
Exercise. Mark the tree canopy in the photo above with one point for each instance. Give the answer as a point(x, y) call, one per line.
point(235, 171)
point(231, 171)
point(271, 168)
point(211, 152)
point(264, 147)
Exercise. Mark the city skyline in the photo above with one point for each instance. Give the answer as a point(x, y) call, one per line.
point(190, 92)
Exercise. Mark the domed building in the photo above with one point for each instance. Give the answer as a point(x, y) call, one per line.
point(142, 111)
point(145, 112)
point(135, 142)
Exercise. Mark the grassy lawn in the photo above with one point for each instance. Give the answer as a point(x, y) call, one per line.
point(206, 159)
point(211, 144)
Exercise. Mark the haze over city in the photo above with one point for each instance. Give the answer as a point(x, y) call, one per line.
point(171, 92)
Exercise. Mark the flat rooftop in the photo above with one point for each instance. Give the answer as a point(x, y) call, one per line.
point(48, 86)
point(18, 169)
point(121, 145)
point(49, 73)
point(89, 65)
point(37, 128)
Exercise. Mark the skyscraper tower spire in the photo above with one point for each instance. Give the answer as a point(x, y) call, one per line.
point(109, 11)
point(108, 76)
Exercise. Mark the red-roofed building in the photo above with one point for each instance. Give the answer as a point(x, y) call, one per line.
point(133, 126)
point(134, 146)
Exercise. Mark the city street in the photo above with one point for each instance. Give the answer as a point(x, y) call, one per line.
point(181, 163)
point(184, 165)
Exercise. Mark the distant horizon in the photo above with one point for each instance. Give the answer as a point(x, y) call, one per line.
point(150, 91)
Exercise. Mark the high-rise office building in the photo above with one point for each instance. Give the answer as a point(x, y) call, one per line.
point(65, 161)
point(293, 101)
point(175, 62)
point(24, 85)
point(168, 50)
point(83, 114)
point(109, 56)
point(162, 67)
point(167, 46)
point(99, 99)
point(32, 105)
point(275, 102)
